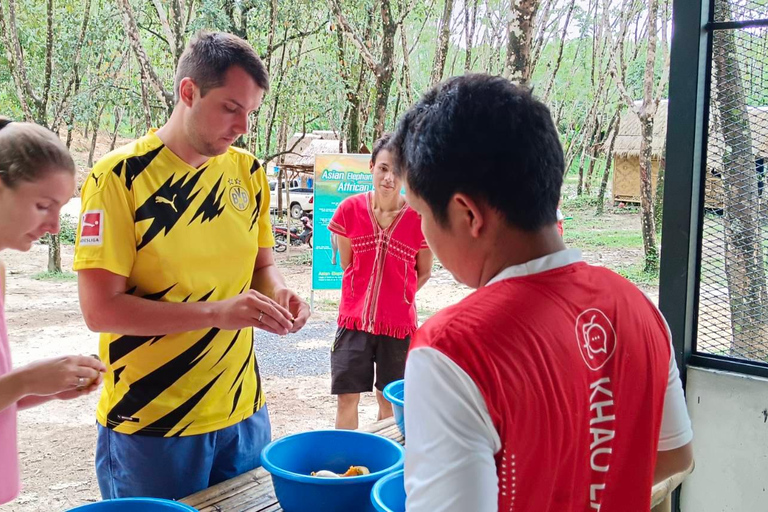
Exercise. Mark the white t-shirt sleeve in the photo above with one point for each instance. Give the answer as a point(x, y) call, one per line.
point(676, 429)
point(675, 424)
point(451, 440)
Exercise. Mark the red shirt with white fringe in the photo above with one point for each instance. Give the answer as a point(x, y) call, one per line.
point(378, 289)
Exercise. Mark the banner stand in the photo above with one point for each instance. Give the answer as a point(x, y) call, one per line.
point(337, 176)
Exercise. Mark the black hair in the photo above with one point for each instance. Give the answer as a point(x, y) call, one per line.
point(380, 144)
point(485, 137)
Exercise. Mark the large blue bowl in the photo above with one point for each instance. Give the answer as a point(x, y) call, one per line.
point(395, 393)
point(135, 505)
point(388, 494)
point(292, 459)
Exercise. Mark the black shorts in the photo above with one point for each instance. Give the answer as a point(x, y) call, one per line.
point(354, 355)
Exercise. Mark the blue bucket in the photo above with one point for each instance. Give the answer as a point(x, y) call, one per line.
point(135, 505)
point(291, 459)
point(388, 494)
point(395, 393)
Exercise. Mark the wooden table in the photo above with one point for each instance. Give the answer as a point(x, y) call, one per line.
point(253, 492)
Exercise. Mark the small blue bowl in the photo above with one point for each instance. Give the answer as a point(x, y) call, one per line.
point(388, 495)
point(135, 505)
point(291, 459)
point(395, 393)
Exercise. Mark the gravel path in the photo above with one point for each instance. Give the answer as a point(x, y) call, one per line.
point(304, 354)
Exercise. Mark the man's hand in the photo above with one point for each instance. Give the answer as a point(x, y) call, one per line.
point(255, 309)
point(297, 306)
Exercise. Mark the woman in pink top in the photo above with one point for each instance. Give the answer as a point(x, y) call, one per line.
point(37, 176)
point(385, 260)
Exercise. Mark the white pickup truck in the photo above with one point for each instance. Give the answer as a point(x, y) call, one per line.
point(301, 199)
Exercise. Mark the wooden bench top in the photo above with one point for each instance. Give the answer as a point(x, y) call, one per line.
point(253, 491)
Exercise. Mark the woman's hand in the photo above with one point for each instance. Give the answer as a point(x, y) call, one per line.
point(61, 374)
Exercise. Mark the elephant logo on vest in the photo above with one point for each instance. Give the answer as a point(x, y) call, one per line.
point(596, 338)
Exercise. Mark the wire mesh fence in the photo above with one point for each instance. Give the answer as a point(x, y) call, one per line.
point(733, 291)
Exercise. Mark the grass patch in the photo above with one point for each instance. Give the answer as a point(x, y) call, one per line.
point(589, 232)
point(329, 303)
point(302, 258)
point(600, 239)
point(638, 275)
point(580, 203)
point(55, 276)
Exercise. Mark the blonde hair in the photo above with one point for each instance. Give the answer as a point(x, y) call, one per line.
point(28, 152)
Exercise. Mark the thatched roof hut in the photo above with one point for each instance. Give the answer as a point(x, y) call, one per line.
point(626, 153)
point(305, 147)
point(629, 137)
point(300, 142)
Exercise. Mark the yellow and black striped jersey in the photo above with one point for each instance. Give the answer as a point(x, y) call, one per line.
point(178, 234)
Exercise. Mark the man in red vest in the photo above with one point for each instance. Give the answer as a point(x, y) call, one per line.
point(553, 387)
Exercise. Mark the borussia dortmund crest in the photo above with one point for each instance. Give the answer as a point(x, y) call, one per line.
point(238, 196)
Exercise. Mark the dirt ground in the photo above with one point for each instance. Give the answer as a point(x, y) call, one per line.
point(57, 440)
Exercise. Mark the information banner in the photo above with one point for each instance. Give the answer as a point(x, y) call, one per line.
point(336, 178)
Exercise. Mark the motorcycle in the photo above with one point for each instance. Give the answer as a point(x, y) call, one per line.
point(282, 235)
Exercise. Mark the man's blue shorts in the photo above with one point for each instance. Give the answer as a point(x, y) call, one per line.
point(175, 467)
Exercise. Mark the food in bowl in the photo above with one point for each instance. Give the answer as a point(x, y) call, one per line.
point(352, 471)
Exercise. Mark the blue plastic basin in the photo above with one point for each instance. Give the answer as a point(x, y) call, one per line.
point(291, 459)
point(388, 494)
point(395, 393)
point(135, 505)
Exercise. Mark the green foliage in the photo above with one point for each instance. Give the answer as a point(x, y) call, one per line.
point(55, 276)
point(638, 275)
point(68, 230)
point(307, 89)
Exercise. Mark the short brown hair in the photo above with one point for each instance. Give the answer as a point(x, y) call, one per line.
point(208, 57)
point(29, 151)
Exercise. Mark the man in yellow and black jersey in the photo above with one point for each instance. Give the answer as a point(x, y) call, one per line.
point(175, 267)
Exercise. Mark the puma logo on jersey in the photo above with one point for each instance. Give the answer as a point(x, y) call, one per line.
point(171, 202)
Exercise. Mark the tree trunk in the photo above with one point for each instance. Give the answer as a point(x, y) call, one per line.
point(658, 197)
point(743, 250)
point(144, 100)
point(441, 51)
point(69, 136)
point(559, 58)
point(54, 254)
point(96, 124)
point(406, 67)
point(518, 66)
point(385, 74)
point(118, 117)
point(646, 195)
point(590, 171)
point(9, 33)
point(148, 72)
point(383, 69)
point(276, 94)
point(647, 113)
point(615, 122)
point(470, 24)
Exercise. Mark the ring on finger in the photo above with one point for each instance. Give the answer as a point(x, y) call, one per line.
point(261, 315)
point(81, 382)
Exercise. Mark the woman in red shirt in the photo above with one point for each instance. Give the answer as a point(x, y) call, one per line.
point(385, 260)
